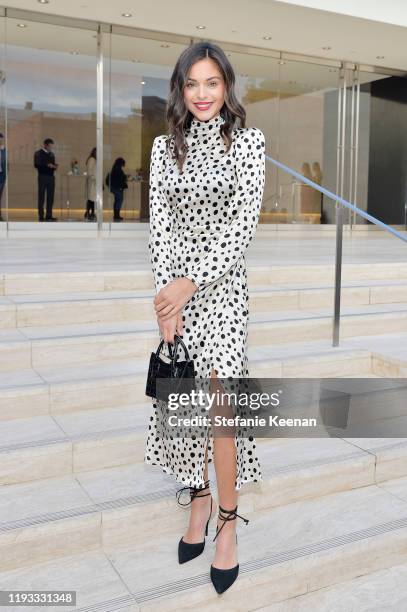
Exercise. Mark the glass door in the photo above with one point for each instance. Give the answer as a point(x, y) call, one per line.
point(308, 119)
point(51, 94)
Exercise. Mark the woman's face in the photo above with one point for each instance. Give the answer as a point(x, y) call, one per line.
point(204, 91)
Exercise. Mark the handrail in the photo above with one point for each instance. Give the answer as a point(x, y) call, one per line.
point(339, 233)
point(331, 195)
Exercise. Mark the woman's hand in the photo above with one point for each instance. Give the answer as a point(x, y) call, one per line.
point(170, 327)
point(172, 298)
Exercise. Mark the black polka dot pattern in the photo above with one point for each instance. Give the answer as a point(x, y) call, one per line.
point(201, 223)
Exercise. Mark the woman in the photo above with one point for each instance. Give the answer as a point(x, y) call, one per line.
point(91, 185)
point(205, 201)
point(117, 184)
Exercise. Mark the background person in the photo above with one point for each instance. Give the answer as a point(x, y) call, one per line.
point(44, 161)
point(117, 183)
point(3, 168)
point(91, 185)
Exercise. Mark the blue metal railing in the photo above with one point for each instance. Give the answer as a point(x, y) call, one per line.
point(337, 198)
point(339, 234)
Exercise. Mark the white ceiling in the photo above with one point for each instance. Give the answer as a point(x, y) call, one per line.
point(392, 11)
point(292, 28)
point(39, 47)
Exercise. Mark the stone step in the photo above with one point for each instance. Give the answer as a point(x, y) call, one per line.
point(311, 544)
point(127, 280)
point(64, 438)
point(70, 441)
point(130, 495)
point(54, 390)
point(25, 310)
point(99, 586)
point(384, 589)
point(52, 446)
point(39, 347)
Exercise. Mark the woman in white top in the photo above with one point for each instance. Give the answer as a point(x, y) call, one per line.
point(91, 185)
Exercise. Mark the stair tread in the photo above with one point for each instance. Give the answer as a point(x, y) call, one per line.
point(72, 374)
point(20, 299)
point(325, 521)
point(122, 327)
point(139, 482)
point(138, 367)
point(39, 430)
point(385, 589)
point(90, 574)
point(107, 295)
point(319, 527)
point(34, 430)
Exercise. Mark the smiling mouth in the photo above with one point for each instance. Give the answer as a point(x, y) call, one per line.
point(203, 105)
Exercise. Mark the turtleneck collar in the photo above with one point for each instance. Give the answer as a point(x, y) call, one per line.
point(211, 126)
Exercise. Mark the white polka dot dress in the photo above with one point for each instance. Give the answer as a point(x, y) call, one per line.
point(201, 223)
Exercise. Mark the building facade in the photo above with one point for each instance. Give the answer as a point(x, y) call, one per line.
point(88, 84)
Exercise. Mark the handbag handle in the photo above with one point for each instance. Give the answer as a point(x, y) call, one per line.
point(158, 351)
point(177, 340)
point(173, 355)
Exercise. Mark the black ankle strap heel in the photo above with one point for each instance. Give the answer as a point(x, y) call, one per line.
point(228, 515)
point(222, 579)
point(193, 492)
point(186, 550)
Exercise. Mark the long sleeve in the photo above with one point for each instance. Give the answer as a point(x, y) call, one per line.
point(38, 163)
point(161, 219)
point(245, 207)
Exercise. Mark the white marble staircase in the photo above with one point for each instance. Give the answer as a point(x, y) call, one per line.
point(78, 507)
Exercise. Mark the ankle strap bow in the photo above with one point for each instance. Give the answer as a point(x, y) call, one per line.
point(193, 491)
point(228, 515)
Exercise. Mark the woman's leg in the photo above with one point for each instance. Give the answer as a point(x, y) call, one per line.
point(225, 467)
point(118, 201)
point(116, 204)
point(87, 212)
point(200, 509)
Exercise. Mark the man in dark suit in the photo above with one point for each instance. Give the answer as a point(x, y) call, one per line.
point(44, 161)
point(3, 169)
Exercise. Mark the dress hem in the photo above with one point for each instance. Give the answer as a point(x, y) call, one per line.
point(188, 482)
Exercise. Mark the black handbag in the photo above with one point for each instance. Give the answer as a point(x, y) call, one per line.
point(175, 376)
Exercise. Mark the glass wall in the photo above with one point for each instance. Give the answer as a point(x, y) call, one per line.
point(137, 75)
point(382, 135)
point(51, 93)
point(329, 122)
point(308, 115)
point(3, 124)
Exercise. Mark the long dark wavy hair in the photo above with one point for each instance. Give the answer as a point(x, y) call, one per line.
point(118, 166)
point(179, 117)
